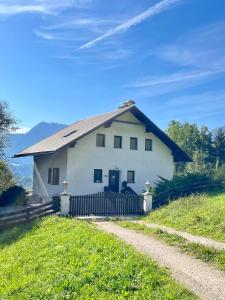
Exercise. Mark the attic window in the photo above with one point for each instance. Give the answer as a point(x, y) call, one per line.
point(68, 134)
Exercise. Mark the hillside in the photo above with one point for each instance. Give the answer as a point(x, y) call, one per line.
point(198, 214)
point(23, 167)
point(63, 258)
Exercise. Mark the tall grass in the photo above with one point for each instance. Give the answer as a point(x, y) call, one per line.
point(61, 258)
point(200, 214)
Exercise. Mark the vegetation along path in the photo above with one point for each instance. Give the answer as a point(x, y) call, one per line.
point(192, 238)
point(204, 280)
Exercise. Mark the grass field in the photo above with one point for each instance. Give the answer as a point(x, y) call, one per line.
point(206, 254)
point(60, 258)
point(198, 214)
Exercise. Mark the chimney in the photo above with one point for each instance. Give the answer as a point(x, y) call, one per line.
point(127, 103)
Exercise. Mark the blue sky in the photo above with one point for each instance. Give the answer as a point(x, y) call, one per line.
point(65, 60)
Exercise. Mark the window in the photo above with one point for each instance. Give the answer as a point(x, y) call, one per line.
point(49, 176)
point(100, 140)
point(117, 141)
point(53, 176)
point(148, 145)
point(130, 176)
point(98, 175)
point(133, 143)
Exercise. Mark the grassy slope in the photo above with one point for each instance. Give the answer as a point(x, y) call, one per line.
point(206, 254)
point(198, 214)
point(68, 259)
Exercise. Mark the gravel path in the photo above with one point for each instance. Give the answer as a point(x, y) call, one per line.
point(199, 277)
point(192, 238)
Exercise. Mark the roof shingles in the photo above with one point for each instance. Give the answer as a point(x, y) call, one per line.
point(81, 128)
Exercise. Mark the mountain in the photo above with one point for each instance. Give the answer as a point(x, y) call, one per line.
point(23, 167)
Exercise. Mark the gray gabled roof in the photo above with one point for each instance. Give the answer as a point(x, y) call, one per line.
point(81, 128)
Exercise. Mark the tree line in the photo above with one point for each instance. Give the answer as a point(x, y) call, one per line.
point(205, 147)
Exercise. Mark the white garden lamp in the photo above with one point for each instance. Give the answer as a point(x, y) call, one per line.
point(147, 185)
point(65, 187)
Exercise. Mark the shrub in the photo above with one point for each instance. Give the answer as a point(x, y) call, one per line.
point(179, 186)
point(56, 203)
point(219, 175)
point(15, 195)
point(6, 177)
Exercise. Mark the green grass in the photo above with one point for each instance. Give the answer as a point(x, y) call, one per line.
point(207, 254)
point(200, 214)
point(62, 258)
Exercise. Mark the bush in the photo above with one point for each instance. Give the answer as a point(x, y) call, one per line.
point(6, 177)
point(181, 186)
point(15, 195)
point(219, 175)
point(56, 203)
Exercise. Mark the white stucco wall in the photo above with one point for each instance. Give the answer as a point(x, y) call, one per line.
point(41, 188)
point(77, 164)
point(148, 165)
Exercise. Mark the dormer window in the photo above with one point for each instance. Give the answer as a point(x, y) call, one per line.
point(100, 140)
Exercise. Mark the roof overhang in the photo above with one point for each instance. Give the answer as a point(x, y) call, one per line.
point(178, 154)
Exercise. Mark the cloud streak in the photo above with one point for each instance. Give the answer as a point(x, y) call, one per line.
point(150, 12)
point(9, 8)
point(174, 78)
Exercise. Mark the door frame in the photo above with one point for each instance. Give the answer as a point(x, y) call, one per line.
point(118, 172)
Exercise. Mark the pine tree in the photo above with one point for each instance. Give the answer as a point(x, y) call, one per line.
point(219, 148)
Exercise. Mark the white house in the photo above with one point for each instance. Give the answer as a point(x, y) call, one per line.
point(101, 152)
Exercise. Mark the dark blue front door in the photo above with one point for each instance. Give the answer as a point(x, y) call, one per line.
point(114, 177)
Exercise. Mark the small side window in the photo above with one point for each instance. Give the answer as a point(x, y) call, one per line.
point(97, 175)
point(49, 175)
point(55, 176)
point(100, 140)
point(131, 176)
point(148, 144)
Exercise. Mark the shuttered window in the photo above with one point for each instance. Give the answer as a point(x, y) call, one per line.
point(50, 176)
point(53, 176)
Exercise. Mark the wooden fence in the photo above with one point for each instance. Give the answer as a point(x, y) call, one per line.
point(14, 218)
point(193, 187)
point(106, 204)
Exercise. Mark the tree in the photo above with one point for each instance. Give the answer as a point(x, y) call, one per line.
point(219, 148)
point(6, 177)
point(7, 125)
point(195, 141)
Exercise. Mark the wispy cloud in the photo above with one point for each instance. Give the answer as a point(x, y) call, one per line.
point(174, 78)
point(200, 106)
point(18, 9)
point(202, 48)
point(13, 7)
point(150, 12)
point(198, 57)
point(44, 35)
